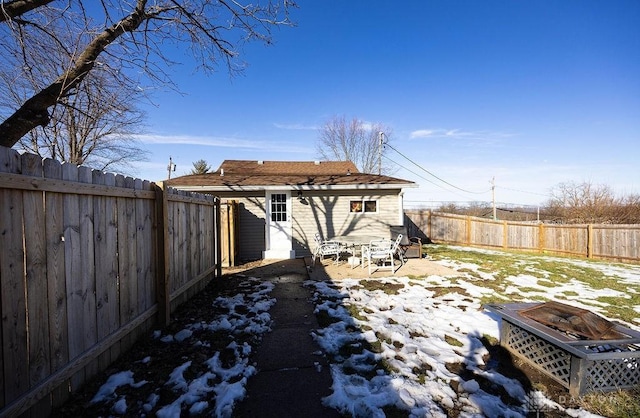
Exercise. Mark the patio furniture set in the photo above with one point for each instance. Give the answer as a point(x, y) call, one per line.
point(376, 252)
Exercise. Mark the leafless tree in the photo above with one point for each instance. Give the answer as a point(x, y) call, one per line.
point(95, 124)
point(582, 202)
point(135, 34)
point(357, 141)
point(628, 212)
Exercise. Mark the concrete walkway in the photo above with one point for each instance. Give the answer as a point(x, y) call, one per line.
point(293, 376)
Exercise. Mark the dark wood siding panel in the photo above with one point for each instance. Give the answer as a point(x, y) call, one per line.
point(251, 227)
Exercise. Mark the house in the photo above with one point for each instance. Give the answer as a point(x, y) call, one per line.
point(283, 204)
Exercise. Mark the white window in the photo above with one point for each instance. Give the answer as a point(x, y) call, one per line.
point(279, 207)
point(363, 206)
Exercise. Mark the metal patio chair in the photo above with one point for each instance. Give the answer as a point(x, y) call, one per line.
point(326, 248)
point(381, 252)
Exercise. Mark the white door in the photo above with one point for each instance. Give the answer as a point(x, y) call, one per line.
point(279, 225)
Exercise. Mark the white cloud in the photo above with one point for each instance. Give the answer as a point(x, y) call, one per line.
point(457, 134)
point(221, 142)
point(295, 127)
point(421, 133)
point(200, 140)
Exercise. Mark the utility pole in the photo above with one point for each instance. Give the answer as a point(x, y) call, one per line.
point(381, 135)
point(493, 196)
point(171, 167)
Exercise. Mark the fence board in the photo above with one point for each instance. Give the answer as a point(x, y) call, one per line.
point(522, 236)
point(126, 258)
point(100, 220)
point(174, 208)
point(151, 244)
point(143, 258)
point(14, 315)
point(76, 294)
point(183, 244)
point(56, 286)
point(487, 233)
point(87, 281)
point(193, 267)
point(36, 262)
point(202, 211)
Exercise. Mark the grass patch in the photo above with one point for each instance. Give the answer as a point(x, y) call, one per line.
point(354, 312)
point(452, 341)
point(620, 308)
point(546, 283)
point(623, 403)
point(551, 272)
point(568, 293)
point(471, 273)
point(488, 339)
point(524, 289)
point(440, 291)
point(388, 288)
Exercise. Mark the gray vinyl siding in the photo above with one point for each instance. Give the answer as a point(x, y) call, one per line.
point(329, 214)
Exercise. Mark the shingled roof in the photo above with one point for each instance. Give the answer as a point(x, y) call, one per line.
point(287, 167)
point(256, 175)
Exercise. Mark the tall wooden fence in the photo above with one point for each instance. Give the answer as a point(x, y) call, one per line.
point(617, 242)
point(88, 263)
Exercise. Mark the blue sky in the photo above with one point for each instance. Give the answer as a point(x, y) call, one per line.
point(532, 94)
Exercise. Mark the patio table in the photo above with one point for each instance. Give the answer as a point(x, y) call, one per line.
point(353, 244)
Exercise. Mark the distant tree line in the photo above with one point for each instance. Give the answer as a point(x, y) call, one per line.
point(570, 203)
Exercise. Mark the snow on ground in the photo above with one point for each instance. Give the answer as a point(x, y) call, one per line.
point(419, 335)
point(244, 313)
point(391, 343)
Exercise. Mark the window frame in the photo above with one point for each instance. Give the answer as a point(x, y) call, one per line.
point(279, 207)
point(362, 204)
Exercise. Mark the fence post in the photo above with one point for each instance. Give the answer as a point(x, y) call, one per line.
point(541, 237)
point(218, 232)
point(468, 230)
point(163, 296)
point(590, 241)
point(505, 235)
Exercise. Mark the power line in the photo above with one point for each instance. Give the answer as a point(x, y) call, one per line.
point(422, 177)
point(446, 182)
point(442, 180)
point(524, 191)
point(414, 173)
point(433, 175)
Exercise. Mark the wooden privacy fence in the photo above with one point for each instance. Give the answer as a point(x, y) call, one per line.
point(618, 242)
point(88, 263)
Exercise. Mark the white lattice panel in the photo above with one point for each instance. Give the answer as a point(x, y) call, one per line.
point(604, 374)
point(547, 357)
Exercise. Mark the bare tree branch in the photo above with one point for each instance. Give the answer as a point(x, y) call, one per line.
point(12, 9)
point(91, 124)
point(355, 141)
point(213, 29)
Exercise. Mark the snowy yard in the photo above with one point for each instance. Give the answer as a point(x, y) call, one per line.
point(401, 346)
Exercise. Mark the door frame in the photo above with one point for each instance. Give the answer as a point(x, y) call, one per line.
point(279, 234)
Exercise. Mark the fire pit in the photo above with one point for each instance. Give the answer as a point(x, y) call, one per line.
point(581, 350)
